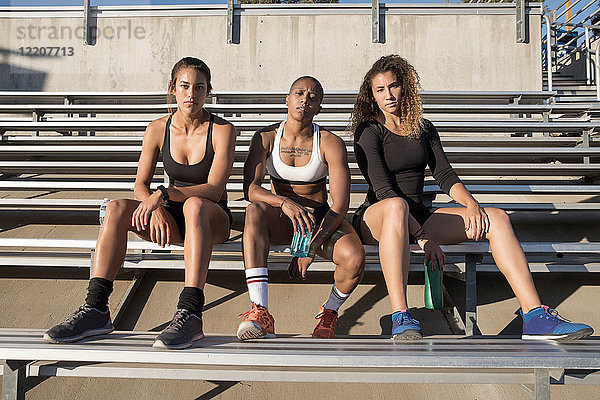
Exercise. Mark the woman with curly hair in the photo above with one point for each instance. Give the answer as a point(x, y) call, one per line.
point(393, 145)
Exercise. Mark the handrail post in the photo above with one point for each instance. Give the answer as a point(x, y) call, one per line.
point(230, 21)
point(86, 22)
point(588, 59)
point(375, 29)
point(548, 52)
point(521, 20)
point(598, 71)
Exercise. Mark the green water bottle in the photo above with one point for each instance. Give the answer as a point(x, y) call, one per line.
point(434, 296)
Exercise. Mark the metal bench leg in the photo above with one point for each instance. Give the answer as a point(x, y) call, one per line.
point(131, 289)
point(542, 384)
point(471, 327)
point(13, 380)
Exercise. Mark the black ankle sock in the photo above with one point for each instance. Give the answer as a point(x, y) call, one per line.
point(98, 291)
point(191, 299)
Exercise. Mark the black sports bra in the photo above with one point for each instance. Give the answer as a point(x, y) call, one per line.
point(187, 175)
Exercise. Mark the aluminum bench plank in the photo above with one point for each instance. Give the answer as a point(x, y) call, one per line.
point(130, 168)
point(545, 141)
point(468, 247)
point(446, 126)
point(264, 374)
point(106, 185)
point(243, 149)
point(238, 205)
point(246, 108)
point(282, 352)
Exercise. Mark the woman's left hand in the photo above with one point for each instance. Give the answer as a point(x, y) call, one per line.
point(298, 267)
point(477, 223)
point(143, 212)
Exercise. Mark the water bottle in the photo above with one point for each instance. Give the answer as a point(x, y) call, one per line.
point(300, 244)
point(103, 210)
point(434, 296)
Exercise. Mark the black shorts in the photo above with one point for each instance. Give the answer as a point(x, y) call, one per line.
point(320, 212)
point(175, 208)
point(421, 216)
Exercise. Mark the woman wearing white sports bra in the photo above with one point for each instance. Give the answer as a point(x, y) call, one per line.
point(298, 155)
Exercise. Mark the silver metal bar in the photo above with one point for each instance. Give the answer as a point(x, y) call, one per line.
point(580, 25)
point(13, 380)
point(131, 289)
point(471, 327)
point(86, 22)
point(375, 21)
point(521, 21)
point(588, 58)
point(561, 4)
point(570, 41)
point(597, 80)
point(229, 21)
point(548, 52)
point(567, 9)
point(542, 384)
point(582, 10)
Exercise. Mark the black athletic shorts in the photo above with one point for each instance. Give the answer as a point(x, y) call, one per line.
point(421, 216)
point(175, 208)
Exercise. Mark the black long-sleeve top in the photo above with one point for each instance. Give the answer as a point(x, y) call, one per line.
point(394, 165)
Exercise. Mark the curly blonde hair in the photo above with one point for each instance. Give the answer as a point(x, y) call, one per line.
point(366, 107)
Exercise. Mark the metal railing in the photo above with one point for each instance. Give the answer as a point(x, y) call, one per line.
point(572, 27)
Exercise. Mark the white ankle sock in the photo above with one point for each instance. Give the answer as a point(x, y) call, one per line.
point(336, 299)
point(257, 281)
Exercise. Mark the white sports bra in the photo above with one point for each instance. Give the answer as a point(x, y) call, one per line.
point(313, 172)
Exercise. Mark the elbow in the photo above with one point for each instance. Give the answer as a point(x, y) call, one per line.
point(341, 209)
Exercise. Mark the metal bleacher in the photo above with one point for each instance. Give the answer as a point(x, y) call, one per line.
point(514, 150)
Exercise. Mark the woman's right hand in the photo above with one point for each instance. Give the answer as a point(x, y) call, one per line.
point(432, 250)
point(302, 219)
point(160, 231)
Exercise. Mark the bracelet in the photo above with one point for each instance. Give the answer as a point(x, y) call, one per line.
point(281, 207)
point(422, 235)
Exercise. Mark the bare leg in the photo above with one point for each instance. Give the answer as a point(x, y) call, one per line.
point(349, 259)
point(111, 245)
point(263, 225)
point(205, 224)
point(386, 223)
point(446, 226)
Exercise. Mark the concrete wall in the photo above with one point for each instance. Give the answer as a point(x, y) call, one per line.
point(453, 46)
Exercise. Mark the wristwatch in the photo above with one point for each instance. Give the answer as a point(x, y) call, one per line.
point(164, 192)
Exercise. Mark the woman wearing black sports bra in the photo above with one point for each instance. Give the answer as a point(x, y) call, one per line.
point(198, 150)
point(298, 155)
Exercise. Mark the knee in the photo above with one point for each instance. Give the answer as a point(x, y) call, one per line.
point(497, 216)
point(395, 209)
point(254, 215)
point(352, 260)
point(115, 210)
point(195, 207)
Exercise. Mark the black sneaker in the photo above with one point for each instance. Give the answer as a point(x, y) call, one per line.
point(85, 321)
point(182, 331)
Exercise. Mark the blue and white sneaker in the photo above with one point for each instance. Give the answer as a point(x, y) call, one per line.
point(544, 323)
point(404, 327)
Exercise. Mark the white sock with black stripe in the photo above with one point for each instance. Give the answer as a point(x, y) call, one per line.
point(257, 280)
point(336, 299)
